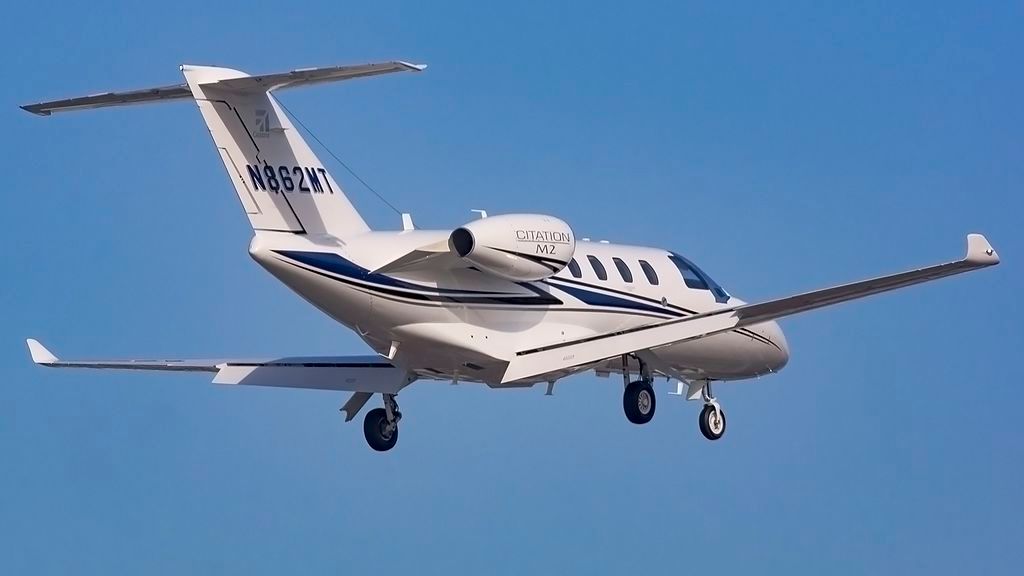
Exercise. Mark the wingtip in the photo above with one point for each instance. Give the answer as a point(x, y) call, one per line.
point(40, 355)
point(980, 251)
point(34, 109)
point(413, 67)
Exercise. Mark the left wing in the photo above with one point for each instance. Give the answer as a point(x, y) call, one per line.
point(366, 374)
point(555, 357)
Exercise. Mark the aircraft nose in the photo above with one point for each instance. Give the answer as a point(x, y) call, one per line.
point(779, 354)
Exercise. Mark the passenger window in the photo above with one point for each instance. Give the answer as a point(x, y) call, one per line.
point(574, 269)
point(627, 276)
point(652, 276)
point(598, 268)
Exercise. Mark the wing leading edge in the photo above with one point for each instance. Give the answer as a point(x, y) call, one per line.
point(537, 361)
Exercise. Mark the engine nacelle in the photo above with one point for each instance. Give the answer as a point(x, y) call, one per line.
point(520, 247)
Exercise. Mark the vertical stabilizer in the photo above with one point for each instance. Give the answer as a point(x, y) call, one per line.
point(280, 182)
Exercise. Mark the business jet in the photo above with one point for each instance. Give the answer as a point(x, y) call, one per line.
point(509, 300)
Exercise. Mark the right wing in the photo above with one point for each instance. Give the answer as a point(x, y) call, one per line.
point(537, 361)
point(366, 374)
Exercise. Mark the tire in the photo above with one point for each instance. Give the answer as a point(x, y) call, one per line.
point(639, 402)
point(374, 425)
point(711, 427)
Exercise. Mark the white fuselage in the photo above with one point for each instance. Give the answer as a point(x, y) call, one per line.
point(466, 324)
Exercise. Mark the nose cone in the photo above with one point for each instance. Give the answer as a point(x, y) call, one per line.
point(778, 354)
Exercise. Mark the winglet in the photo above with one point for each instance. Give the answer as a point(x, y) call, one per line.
point(40, 355)
point(979, 251)
point(413, 67)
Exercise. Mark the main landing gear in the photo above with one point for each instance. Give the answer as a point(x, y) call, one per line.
point(380, 426)
point(712, 418)
point(638, 400)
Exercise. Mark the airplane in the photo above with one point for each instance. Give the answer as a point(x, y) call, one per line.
point(509, 300)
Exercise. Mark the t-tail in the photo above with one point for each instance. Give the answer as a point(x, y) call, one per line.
point(280, 182)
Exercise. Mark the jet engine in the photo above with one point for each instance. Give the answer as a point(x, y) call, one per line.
point(519, 247)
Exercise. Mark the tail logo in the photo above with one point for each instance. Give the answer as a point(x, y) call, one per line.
point(262, 124)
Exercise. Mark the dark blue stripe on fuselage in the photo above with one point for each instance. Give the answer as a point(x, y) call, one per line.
point(326, 262)
point(607, 300)
point(601, 299)
point(336, 264)
point(349, 272)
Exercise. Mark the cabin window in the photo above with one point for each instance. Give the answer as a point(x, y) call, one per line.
point(652, 276)
point(627, 276)
point(574, 269)
point(598, 268)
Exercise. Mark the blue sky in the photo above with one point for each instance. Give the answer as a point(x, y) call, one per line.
point(783, 148)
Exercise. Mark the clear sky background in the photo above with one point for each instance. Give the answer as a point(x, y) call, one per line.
point(783, 149)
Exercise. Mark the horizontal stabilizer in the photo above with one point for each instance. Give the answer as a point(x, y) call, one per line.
point(242, 83)
point(306, 76)
point(110, 99)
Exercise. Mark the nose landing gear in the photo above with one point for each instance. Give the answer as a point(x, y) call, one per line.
point(712, 417)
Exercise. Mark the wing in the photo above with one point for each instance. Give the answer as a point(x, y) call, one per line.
point(537, 361)
point(366, 374)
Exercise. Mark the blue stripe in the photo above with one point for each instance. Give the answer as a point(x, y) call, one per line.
point(334, 264)
point(600, 299)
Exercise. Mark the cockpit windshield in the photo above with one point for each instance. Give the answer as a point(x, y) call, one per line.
point(695, 278)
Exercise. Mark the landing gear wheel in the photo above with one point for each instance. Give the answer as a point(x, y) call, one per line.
point(712, 422)
point(638, 402)
point(380, 434)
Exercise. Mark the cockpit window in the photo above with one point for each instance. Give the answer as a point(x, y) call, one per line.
point(690, 276)
point(695, 278)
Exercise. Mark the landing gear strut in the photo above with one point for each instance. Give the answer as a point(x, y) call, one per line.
point(712, 418)
point(638, 400)
point(381, 425)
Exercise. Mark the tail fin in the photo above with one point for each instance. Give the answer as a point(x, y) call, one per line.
point(280, 182)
